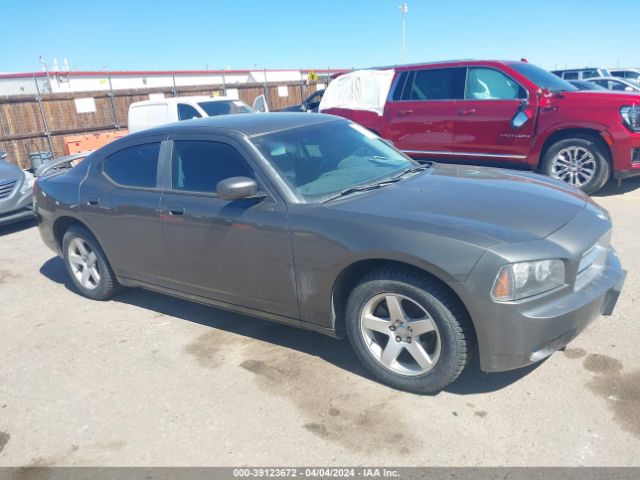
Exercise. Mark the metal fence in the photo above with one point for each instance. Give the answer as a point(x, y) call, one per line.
point(34, 121)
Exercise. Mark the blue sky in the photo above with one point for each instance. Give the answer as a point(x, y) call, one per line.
point(240, 34)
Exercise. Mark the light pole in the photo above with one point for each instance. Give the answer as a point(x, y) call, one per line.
point(404, 8)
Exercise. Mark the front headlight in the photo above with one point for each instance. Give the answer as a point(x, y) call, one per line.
point(28, 183)
point(631, 117)
point(525, 279)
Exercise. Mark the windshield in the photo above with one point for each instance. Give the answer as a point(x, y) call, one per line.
point(542, 78)
point(320, 161)
point(224, 107)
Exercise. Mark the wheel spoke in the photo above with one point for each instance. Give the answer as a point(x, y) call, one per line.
point(376, 324)
point(390, 352)
point(75, 260)
point(423, 325)
point(82, 248)
point(94, 276)
point(84, 278)
point(419, 354)
point(91, 258)
point(395, 307)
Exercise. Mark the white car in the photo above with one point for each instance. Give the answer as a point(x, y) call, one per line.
point(152, 113)
point(616, 84)
point(629, 74)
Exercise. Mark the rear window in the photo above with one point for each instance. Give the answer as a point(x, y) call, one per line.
point(135, 166)
point(224, 107)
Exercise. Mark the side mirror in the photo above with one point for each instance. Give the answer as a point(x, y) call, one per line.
point(236, 188)
point(521, 117)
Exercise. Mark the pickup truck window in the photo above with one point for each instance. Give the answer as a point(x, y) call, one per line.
point(187, 112)
point(542, 78)
point(431, 84)
point(491, 84)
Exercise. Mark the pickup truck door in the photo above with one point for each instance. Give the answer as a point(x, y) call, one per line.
point(484, 120)
point(421, 110)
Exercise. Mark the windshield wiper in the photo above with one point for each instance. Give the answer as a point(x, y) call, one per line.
point(419, 168)
point(363, 188)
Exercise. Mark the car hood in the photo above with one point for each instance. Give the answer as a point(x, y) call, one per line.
point(9, 171)
point(486, 206)
point(606, 96)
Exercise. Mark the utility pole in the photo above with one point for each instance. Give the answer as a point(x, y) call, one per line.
point(404, 8)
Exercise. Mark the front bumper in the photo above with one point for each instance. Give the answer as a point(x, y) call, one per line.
point(525, 333)
point(515, 334)
point(16, 208)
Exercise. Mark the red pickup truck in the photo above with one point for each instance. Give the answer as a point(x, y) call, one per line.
point(498, 113)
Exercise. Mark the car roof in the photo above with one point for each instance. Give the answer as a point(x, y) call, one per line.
point(169, 100)
point(249, 124)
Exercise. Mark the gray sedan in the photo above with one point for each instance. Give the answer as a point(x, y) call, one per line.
point(315, 222)
point(15, 193)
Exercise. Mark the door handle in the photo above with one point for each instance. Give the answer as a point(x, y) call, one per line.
point(176, 211)
point(93, 201)
point(404, 113)
point(467, 111)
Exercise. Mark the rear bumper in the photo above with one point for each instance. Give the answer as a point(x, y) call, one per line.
point(527, 332)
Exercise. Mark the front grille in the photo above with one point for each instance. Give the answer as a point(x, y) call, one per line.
point(592, 262)
point(6, 188)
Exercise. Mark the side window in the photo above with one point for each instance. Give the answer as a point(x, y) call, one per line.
point(397, 92)
point(570, 76)
point(134, 166)
point(589, 74)
point(198, 166)
point(436, 84)
point(490, 84)
point(187, 112)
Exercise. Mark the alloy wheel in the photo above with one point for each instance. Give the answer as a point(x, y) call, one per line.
point(574, 165)
point(400, 334)
point(84, 263)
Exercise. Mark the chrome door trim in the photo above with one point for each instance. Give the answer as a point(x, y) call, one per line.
point(465, 154)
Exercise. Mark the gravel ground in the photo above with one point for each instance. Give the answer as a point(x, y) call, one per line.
point(146, 379)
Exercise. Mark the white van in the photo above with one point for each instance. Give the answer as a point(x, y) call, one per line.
point(151, 113)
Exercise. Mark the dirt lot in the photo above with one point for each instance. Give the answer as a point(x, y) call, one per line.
point(149, 380)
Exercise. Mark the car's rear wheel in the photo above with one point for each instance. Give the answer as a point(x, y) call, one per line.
point(409, 330)
point(87, 264)
point(580, 162)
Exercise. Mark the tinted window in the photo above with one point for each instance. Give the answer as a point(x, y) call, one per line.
point(490, 84)
point(436, 84)
point(187, 112)
point(542, 78)
point(224, 107)
point(397, 93)
point(590, 74)
point(198, 166)
point(134, 166)
point(570, 76)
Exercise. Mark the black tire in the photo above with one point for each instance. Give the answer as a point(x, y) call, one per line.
point(601, 156)
point(450, 317)
point(107, 286)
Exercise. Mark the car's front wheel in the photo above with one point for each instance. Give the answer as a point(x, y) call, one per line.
point(87, 264)
point(409, 330)
point(580, 162)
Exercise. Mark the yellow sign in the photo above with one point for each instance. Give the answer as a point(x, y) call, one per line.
point(312, 76)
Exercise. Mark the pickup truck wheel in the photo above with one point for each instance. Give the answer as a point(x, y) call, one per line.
point(408, 330)
point(580, 162)
point(87, 264)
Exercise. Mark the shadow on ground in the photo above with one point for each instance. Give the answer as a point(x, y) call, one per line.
point(337, 352)
point(17, 227)
point(612, 188)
